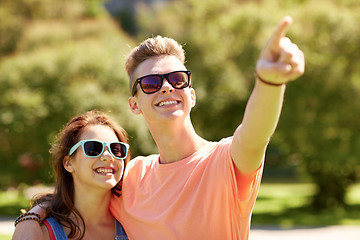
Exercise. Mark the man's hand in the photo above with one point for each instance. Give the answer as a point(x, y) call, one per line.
point(281, 60)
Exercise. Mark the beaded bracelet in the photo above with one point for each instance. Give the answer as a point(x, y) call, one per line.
point(267, 82)
point(27, 216)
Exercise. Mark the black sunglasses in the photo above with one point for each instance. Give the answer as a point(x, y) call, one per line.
point(152, 83)
point(94, 148)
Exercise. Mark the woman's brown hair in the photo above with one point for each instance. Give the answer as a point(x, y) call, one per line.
point(60, 204)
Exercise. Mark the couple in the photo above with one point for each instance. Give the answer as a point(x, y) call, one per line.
point(192, 189)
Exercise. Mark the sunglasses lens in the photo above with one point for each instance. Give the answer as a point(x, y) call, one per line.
point(179, 80)
point(151, 84)
point(93, 148)
point(118, 150)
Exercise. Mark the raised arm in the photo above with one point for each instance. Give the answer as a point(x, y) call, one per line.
point(280, 61)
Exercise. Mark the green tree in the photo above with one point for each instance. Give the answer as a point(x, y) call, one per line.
point(68, 59)
point(321, 120)
point(319, 127)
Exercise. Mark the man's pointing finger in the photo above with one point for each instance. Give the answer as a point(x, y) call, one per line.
point(280, 31)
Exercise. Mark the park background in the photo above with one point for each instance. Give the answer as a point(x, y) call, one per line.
point(62, 58)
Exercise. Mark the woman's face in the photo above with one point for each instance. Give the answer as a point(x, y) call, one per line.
point(95, 173)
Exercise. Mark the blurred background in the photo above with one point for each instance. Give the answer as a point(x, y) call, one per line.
point(63, 58)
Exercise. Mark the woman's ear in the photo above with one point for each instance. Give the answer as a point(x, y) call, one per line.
point(133, 105)
point(67, 163)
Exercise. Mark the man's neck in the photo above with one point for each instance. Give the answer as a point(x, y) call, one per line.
point(176, 143)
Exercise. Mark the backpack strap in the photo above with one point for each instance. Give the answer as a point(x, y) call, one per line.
point(56, 231)
point(50, 230)
point(120, 233)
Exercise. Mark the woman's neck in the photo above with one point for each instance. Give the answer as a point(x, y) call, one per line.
point(94, 206)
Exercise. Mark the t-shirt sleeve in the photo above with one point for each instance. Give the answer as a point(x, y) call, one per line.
point(247, 182)
point(245, 186)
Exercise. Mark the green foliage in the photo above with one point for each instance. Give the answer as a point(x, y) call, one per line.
point(321, 110)
point(60, 68)
point(319, 129)
point(10, 31)
point(16, 16)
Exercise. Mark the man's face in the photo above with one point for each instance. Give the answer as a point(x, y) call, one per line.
point(166, 103)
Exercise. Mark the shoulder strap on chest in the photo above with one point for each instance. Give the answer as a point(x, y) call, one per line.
point(120, 231)
point(56, 231)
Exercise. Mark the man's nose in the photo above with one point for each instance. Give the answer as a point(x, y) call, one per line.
point(166, 86)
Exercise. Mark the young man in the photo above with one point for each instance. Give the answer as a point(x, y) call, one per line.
point(195, 189)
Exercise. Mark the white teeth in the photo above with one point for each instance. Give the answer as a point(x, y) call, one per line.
point(104, 170)
point(167, 103)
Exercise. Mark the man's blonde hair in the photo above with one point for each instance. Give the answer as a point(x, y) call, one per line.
point(151, 47)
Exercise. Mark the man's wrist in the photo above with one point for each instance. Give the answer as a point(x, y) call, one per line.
point(267, 82)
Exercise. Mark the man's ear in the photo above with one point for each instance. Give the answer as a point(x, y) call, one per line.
point(133, 105)
point(193, 97)
point(67, 163)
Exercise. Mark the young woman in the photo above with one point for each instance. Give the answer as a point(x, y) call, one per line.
point(90, 156)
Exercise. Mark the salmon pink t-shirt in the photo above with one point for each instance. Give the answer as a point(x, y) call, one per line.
point(203, 196)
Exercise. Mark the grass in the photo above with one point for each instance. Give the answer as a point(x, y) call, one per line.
point(5, 237)
point(287, 206)
point(280, 205)
point(11, 201)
